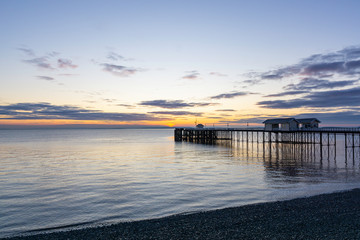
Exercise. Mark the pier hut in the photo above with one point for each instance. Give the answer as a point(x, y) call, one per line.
point(308, 123)
point(284, 124)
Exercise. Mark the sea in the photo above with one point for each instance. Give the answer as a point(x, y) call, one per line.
point(60, 179)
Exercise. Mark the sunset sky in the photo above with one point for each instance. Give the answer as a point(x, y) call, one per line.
point(171, 63)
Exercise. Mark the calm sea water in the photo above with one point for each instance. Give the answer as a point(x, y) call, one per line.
point(55, 179)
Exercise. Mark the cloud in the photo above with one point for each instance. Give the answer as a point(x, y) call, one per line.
point(324, 99)
point(345, 62)
point(67, 74)
point(251, 82)
point(115, 57)
point(177, 113)
point(289, 93)
point(119, 70)
point(46, 78)
point(27, 51)
point(109, 100)
point(172, 104)
point(192, 75)
point(65, 63)
point(342, 117)
point(125, 105)
point(315, 69)
point(229, 95)
point(49, 111)
point(247, 120)
point(225, 110)
point(218, 74)
point(313, 83)
point(53, 54)
point(47, 61)
point(40, 62)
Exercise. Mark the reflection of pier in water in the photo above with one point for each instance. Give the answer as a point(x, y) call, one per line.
point(301, 144)
point(289, 162)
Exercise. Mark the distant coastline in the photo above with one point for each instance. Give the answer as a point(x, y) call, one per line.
point(80, 126)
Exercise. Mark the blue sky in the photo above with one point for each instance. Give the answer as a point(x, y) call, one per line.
point(172, 62)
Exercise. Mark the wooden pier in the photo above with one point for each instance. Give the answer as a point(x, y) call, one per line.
point(320, 136)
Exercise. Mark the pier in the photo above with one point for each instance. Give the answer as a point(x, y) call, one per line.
point(320, 137)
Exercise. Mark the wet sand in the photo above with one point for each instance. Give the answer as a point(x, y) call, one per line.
point(327, 216)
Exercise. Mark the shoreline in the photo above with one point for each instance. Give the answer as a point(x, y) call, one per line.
point(326, 216)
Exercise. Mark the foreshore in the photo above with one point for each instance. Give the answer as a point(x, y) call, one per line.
point(326, 216)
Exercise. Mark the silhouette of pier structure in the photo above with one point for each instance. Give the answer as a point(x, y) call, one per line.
point(322, 143)
point(318, 136)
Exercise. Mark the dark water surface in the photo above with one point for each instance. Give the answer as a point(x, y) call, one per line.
point(51, 179)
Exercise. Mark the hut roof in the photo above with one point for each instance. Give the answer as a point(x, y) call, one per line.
point(279, 120)
point(308, 120)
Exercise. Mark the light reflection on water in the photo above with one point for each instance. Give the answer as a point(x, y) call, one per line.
point(52, 178)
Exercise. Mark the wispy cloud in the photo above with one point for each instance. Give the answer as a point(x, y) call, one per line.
point(46, 78)
point(218, 74)
point(172, 104)
point(119, 70)
point(327, 99)
point(47, 62)
point(27, 51)
point(49, 111)
point(288, 93)
point(65, 63)
point(40, 62)
point(320, 79)
point(230, 95)
point(251, 82)
point(317, 84)
point(125, 105)
point(177, 113)
point(191, 75)
point(115, 56)
point(225, 110)
point(341, 117)
point(345, 62)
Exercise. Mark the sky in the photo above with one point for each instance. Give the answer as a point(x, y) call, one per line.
point(177, 63)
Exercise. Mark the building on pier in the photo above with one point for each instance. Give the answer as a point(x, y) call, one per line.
point(308, 123)
point(284, 124)
point(290, 124)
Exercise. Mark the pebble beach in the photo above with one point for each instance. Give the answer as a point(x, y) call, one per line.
point(326, 216)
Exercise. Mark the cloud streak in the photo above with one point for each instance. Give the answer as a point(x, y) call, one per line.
point(27, 51)
point(47, 62)
point(39, 111)
point(289, 93)
point(324, 99)
point(218, 74)
point(177, 113)
point(46, 78)
point(65, 63)
point(229, 95)
point(172, 104)
point(345, 62)
point(40, 62)
point(192, 75)
point(119, 70)
point(313, 83)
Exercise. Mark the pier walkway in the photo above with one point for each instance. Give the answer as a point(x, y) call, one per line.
point(321, 136)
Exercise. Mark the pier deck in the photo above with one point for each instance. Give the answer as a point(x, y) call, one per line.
point(321, 136)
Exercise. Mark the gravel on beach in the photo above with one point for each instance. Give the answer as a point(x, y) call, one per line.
point(326, 216)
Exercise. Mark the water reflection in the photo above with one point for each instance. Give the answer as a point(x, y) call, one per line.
point(296, 163)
